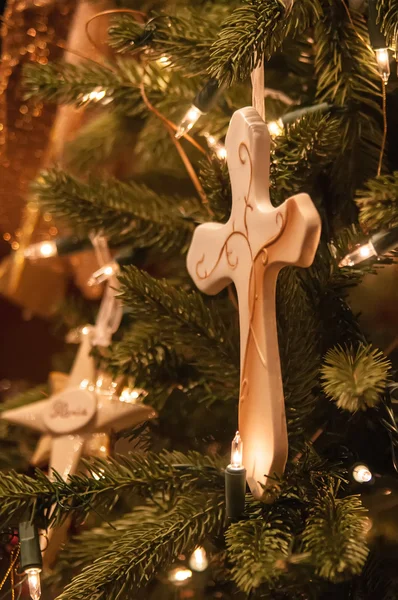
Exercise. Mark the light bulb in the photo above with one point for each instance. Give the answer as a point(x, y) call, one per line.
point(362, 474)
point(130, 395)
point(188, 121)
point(34, 583)
point(164, 60)
point(360, 254)
point(180, 575)
point(236, 452)
point(198, 561)
point(41, 250)
point(383, 63)
point(103, 273)
point(218, 148)
point(275, 128)
point(95, 95)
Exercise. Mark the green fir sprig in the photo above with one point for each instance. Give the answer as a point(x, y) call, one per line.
point(378, 202)
point(355, 378)
point(335, 536)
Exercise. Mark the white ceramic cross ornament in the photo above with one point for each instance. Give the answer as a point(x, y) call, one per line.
point(249, 250)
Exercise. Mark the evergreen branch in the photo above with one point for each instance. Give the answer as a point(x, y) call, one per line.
point(85, 84)
point(216, 183)
point(145, 295)
point(124, 212)
point(255, 29)
point(299, 333)
point(345, 65)
point(378, 202)
point(256, 550)
point(348, 76)
point(388, 18)
point(185, 40)
point(100, 140)
point(335, 536)
point(161, 352)
point(355, 380)
point(301, 152)
point(19, 495)
point(151, 543)
point(35, 394)
point(143, 474)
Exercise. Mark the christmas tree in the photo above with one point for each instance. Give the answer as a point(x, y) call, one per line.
point(148, 166)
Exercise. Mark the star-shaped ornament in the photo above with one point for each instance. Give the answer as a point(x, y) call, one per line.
point(75, 419)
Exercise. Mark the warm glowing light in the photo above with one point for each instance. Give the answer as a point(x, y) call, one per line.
point(198, 561)
point(383, 62)
point(34, 583)
point(164, 60)
point(188, 121)
point(41, 250)
point(84, 384)
point(103, 273)
point(215, 145)
point(129, 395)
point(96, 95)
point(180, 575)
point(358, 255)
point(362, 474)
point(365, 251)
point(85, 330)
point(275, 128)
point(98, 474)
point(236, 452)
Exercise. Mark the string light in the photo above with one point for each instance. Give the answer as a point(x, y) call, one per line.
point(203, 102)
point(218, 148)
point(131, 395)
point(31, 561)
point(96, 95)
point(383, 63)
point(358, 255)
point(198, 560)
point(34, 583)
point(275, 128)
point(104, 273)
point(58, 247)
point(188, 121)
point(41, 250)
point(180, 575)
point(236, 452)
point(235, 480)
point(378, 41)
point(362, 474)
point(378, 245)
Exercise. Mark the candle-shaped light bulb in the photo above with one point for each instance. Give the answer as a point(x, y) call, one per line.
point(236, 452)
point(358, 255)
point(235, 480)
point(188, 121)
point(34, 583)
point(104, 273)
point(383, 63)
point(198, 561)
point(41, 250)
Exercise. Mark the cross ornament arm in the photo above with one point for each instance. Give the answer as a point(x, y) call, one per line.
point(250, 250)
